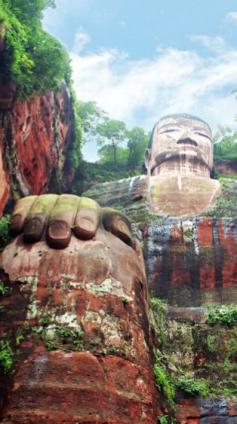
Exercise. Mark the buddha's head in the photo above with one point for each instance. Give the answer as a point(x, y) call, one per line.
point(179, 161)
point(182, 144)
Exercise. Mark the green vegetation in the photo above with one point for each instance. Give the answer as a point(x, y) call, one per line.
point(6, 356)
point(164, 383)
point(218, 345)
point(71, 336)
point(111, 134)
point(225, 144)
point(90, 173)
point(193, 386)
point(137, 144)
point(20, 335)
point(120, 147)
point(5, 235)
point(164, 419)
point(90, 116)
point(4, 289)
point(121, 151)
point(197, 359)
point(61, 337)
point(222, 314)
point(74, 158)
point(46, 320)
point(226, 203)
point(35, 60)
point(95, 342)
point(159, 308)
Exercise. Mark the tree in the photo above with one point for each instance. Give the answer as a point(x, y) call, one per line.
point(112, 132)
point(90, 116)
point(225, 144)
point(106, 155)
point(29, 10)
point(33, 59)
point(137, 144)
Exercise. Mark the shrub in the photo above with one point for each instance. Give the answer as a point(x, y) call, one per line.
point(159, 308)
point(192, 386)
point(164, 383)
point(64, 338)
point(222, 314)
point(3, 289)
point(6, 356)
point(5, 235)
point(165, 419)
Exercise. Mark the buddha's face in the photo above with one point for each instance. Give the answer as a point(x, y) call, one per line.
point(180, 143)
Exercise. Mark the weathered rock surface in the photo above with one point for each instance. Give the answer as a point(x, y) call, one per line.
point(200, 357)
point(189, 261)
point(34, 137)
point(207, 411)
point(85, 352)
point(226, 167)
point(4, 186)
point(192, 262)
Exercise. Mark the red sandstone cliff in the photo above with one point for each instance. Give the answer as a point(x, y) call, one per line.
point(192, 262)
point(226, 166)
point(34, 137)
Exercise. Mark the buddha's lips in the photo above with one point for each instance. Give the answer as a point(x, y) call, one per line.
point(190, 152)
point(187, 142)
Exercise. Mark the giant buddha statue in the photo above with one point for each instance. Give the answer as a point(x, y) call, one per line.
point(179, 162)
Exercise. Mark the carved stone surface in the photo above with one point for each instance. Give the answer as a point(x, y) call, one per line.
point(86, 352)
point(179, 161)
point(180, 144)
point(192, 262)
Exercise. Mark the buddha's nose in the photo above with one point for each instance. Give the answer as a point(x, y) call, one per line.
point(186, 133)
point(186, 137)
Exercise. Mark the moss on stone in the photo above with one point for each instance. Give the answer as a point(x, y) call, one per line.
point(226, 204)
point(199, 357)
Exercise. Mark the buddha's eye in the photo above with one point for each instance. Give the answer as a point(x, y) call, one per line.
point(203, 135)
point(168, 131)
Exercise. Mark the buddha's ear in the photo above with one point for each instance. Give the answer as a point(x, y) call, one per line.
point(147, 158)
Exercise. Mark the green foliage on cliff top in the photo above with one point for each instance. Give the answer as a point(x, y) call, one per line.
point(35, 60)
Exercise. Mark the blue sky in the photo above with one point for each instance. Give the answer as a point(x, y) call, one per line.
point(141, 60)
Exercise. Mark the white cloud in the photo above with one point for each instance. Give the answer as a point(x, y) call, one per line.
point(81, 40)
point(217, 44)
point(231, 16)
point(140, 91)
